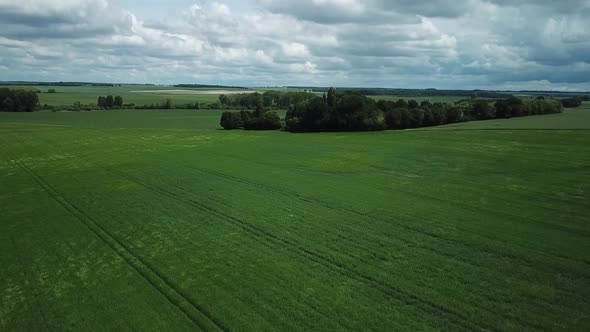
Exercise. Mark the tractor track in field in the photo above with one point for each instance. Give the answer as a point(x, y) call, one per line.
point(458, 319)
point(334, 265)
point(487, 250)
point(318, 257)
point(194, 312)
point(416, 230)
point(362, 246)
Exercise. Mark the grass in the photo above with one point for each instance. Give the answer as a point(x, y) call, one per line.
point(157, 220)
point(433, 99)
point(89, 94)
point(67, 95)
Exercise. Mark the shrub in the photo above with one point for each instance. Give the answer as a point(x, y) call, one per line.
point(231, 120)
point(267, 121)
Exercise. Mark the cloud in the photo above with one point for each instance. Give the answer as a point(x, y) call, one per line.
point(440, 43)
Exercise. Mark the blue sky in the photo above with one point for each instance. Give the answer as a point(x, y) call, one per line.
point(464, 44)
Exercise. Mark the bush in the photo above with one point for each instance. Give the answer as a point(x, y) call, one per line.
point(231, 120)
point(571, 102)
point(267, 121)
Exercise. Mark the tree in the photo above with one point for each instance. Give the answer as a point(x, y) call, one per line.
point(412, 104)
point(416, 118)
point(8, 105)
point(267, 121)
point(428, 119)
point(426, 105)
point(224, 100)
point(331, 98)
point(118, 101)
point(393, 118)
point(258, 103)
point(102, 102)
point(168, 104)
point(482, 110)
point(110, 102)
point(571, 102)
point(25, 100)
point(231, 120)
point(400, 103)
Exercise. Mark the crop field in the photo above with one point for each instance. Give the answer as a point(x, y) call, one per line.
point(159, 220)
point(136, 94)
point(433, 99)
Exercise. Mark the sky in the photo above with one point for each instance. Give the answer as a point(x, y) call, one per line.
point(443, 44)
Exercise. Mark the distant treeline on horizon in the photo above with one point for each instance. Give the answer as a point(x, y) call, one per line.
point(401, 92)
point(431, 92)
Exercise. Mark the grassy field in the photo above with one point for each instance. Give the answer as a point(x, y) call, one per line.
point(136, 94)
point(141, 95)
point(433, 99)
point(158, 220)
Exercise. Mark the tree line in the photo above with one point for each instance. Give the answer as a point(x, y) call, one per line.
point(18, 100)
point(574, 101)
point(271, 99)
point(353, 112)
point(350, 111)
point(416, 92)
point(110, 102)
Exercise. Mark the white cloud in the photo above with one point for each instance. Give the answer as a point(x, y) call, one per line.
point(402, 43)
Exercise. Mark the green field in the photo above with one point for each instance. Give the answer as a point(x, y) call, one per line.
point(67, 95)
point(433, 99)
point(158, 220)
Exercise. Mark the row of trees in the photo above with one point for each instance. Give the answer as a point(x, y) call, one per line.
point(351, 111)
point(573, 102)
point(110, 102)
point(271, 99)
point(18, 100)
point(354, 112)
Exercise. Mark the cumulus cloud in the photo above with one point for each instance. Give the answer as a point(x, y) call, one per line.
point(398, 43)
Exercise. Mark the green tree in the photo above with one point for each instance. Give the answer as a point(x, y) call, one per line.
point(331, 98)
point(224, 100)
point(258, 103)
point(267, 121)
point(168, 104)
point(231, 120)
point(102, 102)
point(118, 101)
point(110, 102)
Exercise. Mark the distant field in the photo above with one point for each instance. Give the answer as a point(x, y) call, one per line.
point(158, 220)
point(147, 95)
point(136, 94)
point(434, 99)
point(194, 92)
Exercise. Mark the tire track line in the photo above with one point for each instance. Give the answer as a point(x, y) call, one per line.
point(194, 312)
point(416, 230)
point(323, 204)
point(458, 319)
point(405, 241)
